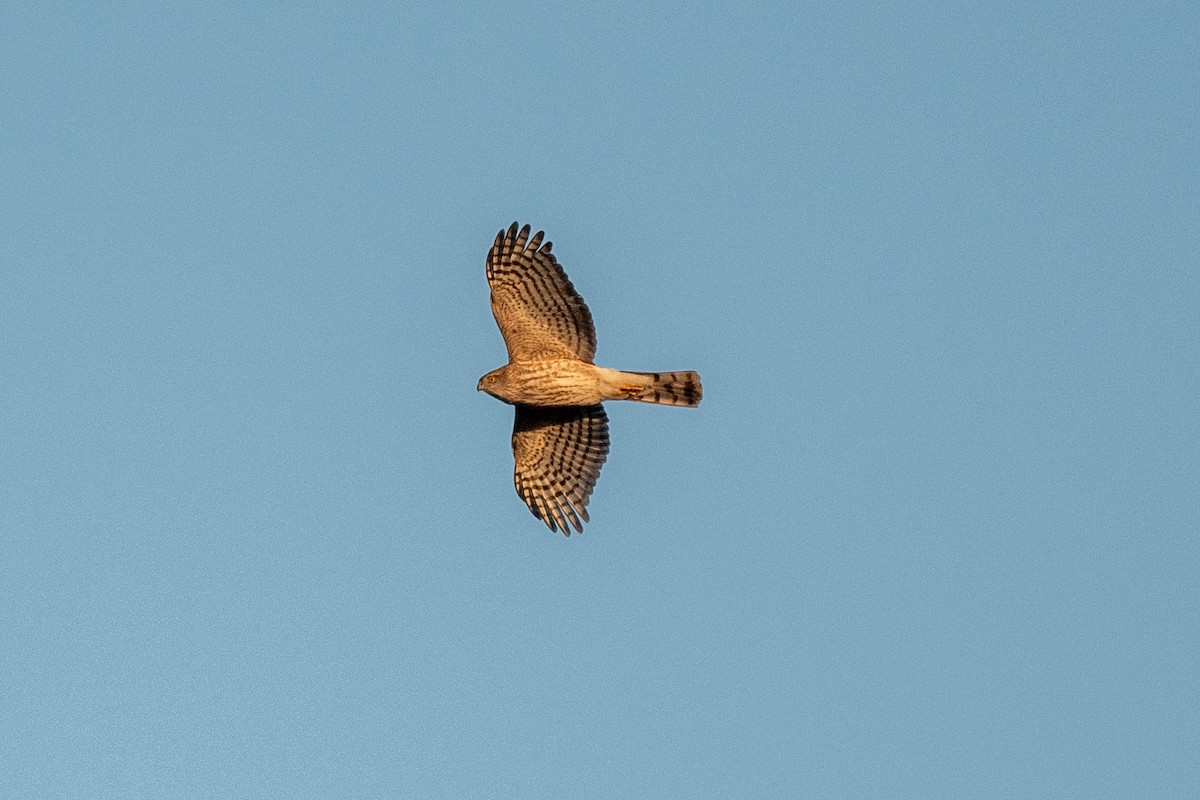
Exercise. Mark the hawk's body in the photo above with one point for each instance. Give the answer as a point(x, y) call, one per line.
point(560, 436)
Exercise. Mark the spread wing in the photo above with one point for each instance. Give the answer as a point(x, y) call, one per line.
point(540, 314)
point(559, 453)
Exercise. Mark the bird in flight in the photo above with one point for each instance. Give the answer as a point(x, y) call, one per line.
point(560, 434)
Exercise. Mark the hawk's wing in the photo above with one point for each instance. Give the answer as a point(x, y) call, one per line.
point(559, 453)
point(540, 314)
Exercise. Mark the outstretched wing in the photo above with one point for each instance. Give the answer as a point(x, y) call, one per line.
point(559, 453)
point(540, 314)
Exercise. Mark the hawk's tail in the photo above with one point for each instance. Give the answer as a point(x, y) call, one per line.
point(665, 388)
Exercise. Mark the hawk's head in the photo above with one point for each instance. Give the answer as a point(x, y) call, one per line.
point(493, 383)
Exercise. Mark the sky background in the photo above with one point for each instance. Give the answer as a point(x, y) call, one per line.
point(933, 532)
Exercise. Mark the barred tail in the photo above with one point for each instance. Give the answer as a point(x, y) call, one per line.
point(665, 388)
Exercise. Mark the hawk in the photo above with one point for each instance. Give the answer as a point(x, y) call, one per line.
point(560, 434)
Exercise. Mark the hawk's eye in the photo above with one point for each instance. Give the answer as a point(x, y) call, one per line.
point(491, 378)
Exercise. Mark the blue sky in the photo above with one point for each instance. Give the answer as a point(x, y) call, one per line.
point(932, 533)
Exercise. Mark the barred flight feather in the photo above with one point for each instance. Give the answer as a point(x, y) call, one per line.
point(559, 453)
point(536, 307)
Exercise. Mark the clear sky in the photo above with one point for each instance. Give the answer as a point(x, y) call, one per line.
point(933, 532)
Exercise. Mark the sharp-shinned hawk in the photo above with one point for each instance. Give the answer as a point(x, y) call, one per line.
point(560, 435)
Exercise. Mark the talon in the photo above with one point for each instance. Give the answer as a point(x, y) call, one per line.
point(631, 390)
